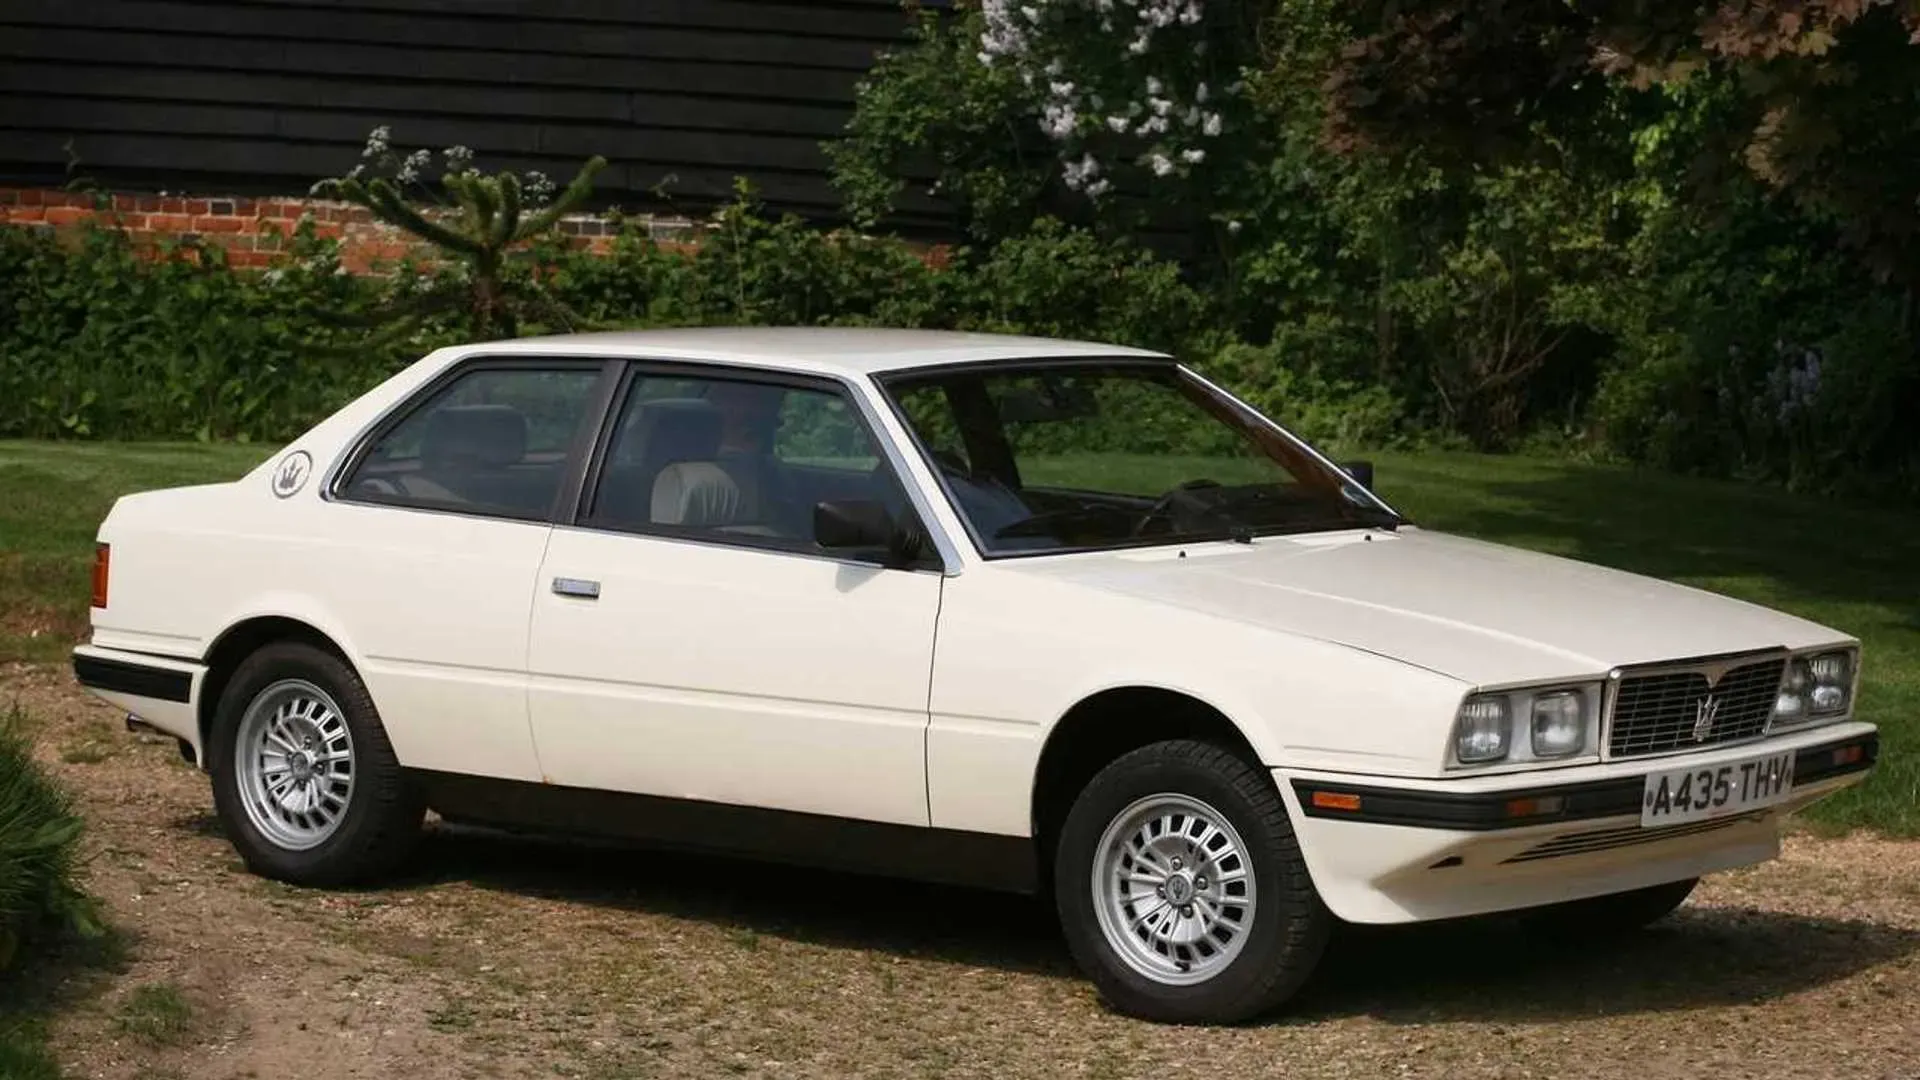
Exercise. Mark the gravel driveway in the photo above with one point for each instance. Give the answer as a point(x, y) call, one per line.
point(506, 957)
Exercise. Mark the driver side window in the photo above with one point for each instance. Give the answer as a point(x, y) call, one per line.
point(735, 460)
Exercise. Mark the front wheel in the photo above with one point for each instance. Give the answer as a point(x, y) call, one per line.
point(1181, 889)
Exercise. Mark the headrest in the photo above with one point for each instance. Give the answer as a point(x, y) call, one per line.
point(470, 436)
point(673, 429)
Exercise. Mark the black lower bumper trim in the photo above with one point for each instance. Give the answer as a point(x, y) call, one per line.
point(126, 677)
point(1477, 811)
point(1836, 759)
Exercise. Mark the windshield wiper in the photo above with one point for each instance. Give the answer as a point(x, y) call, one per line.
point(1384, 519)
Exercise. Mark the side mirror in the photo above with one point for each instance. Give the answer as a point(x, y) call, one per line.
point(864, 524)
point(1361, 471)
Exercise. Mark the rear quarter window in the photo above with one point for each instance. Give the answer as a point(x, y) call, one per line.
point(495, 440)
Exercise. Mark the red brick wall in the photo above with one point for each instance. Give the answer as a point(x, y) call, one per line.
point(249, 229)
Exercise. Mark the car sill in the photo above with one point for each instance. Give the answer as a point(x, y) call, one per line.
point(942, 856)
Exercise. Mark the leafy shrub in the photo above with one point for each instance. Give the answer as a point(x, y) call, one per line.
point(39, 834)
point(1064, 282)
point(1756, 350)
point(100, 338)
point(1331, 413)
point(931, 111)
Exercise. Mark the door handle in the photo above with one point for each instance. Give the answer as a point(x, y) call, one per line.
point(580, 587)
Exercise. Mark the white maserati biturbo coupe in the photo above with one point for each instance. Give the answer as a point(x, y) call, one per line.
point(1037, 615)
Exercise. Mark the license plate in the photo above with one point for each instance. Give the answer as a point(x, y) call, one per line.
point(1696, 794)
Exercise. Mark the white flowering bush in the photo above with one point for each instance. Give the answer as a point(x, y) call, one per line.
point(1118, 114)
point(1157, 85)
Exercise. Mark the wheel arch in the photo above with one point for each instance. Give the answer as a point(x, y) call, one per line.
point(1104, 725)
point(243, 639)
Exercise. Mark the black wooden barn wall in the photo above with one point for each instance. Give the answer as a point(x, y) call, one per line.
point(266, 96)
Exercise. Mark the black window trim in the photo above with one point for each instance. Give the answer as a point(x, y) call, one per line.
point(574, 514)
point(885, 380)
point(594, 418)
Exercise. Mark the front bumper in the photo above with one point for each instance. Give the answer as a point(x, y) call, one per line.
point(160, 690)
point(1406, 851)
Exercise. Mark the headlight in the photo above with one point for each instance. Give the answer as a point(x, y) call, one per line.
point(1481, 732)
point(1555, 724)
point(1818, 685)
point(1559, 724)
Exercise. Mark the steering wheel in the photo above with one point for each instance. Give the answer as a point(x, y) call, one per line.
point(1165, 503)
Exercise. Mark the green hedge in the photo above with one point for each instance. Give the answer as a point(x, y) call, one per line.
point(101, 340)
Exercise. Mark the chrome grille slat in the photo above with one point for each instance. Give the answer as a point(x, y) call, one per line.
point(1657, 713)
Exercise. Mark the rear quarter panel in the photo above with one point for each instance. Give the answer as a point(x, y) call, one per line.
point(431, 609)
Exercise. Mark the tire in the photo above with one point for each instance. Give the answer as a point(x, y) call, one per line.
point(361, 816)
point(1613, 914)
point(1211, 803)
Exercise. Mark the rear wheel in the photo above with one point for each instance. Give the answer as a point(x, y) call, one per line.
point(1616, 913)
point(304, 778)
point(1181, 889)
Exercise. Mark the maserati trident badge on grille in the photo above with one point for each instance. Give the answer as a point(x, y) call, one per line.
point(1703, 715)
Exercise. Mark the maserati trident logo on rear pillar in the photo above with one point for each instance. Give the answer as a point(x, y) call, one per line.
point(291, 474)
point(1703, 715)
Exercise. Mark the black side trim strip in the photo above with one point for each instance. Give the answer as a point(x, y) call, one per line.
point(140, 680)
point(946, 856)
point(1482, 811)
point(1823, 762)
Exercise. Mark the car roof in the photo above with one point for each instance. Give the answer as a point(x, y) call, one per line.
point(814, 349)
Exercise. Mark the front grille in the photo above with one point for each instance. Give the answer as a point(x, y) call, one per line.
point(1596, 840)
point(1665, 711)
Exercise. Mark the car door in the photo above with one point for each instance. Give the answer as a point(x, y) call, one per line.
point(690, 640)
point(431, 540)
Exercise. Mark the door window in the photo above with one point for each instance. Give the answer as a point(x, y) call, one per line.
point(736, 461)
point(495, 441)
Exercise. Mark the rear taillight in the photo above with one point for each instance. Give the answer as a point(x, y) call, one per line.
point(100, 575)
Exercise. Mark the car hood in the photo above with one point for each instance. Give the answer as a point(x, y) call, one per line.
point(1479, 612)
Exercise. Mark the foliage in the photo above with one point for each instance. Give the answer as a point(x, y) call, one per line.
point(39, 838)
point(1820, 91)
point(1577, 237)
point(100, 338)
point(481, 229)
point(931, 117)
point(1330, 412)
point(748, 268)
point(1062, 282)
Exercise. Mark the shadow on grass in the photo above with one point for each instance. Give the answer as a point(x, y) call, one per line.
point(1470, 970)
point(1804, 551)
point(51, 975)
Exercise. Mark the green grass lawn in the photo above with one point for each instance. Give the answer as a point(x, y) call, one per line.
point(52, 497)
point(1850, 566)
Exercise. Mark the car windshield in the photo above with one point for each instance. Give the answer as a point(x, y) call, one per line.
point(1058, 456)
